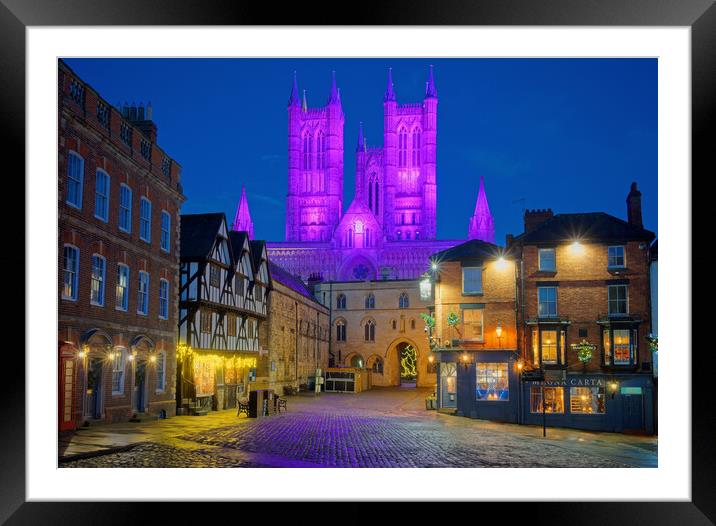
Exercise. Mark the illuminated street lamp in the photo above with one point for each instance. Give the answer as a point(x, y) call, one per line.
point(498, 333)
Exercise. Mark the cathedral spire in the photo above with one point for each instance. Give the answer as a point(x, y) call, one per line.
point(361, 140)
point(242, 221)
point(389, 93)
point(304, 104)
point(334, 97)
point(430, 89)
point(482, 225)
point(293, 99)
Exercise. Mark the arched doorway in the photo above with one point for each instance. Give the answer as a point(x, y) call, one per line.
point(355, 360)
point(141, 348)
point(96, 345)
point(407, 355)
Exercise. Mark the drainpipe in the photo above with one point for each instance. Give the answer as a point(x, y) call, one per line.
point(296, 329)
point(330, 321)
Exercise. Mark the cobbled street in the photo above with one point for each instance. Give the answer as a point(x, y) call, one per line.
point(377, 428)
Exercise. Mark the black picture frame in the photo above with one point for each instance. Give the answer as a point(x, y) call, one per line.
point(700, 15)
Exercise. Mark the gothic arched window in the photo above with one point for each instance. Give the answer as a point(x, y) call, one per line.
point(376, 198)
point(307, 151)
point(320, 150)
point(403, 301)
point(416, 148)
point(402, 148)
point(341, 301)
point(340, 330)
point(370, 195)
point(369, 331)
point(370, 301)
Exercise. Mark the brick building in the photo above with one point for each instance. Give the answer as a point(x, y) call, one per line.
point(475, 333)
point(118, 238)
point(295, 335)
point(584, 279)
point(377, 325)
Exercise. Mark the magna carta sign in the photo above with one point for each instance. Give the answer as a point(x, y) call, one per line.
point(574, 382)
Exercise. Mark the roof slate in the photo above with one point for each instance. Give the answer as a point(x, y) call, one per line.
point(593, 226)
point(198, 232)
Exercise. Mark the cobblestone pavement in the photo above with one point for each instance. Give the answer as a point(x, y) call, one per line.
point(378, 428)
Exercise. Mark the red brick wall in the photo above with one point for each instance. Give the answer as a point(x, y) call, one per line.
point(582, 292)
point(81, 131)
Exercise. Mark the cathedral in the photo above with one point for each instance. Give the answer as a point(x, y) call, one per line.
point(389, 229)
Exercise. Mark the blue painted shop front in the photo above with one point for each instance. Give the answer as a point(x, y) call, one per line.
point(615, 403)
point(487, 385)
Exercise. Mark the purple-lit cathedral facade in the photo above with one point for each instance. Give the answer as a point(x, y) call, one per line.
point(389, 229)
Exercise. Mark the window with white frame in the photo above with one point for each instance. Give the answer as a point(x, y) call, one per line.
point(118, 365)
point(616, 256)
point(547, 260)
point(101, 195)
point(492, 382)
point(145, 220)
point(125, 208)
point(161, 371)
point(547, 302)
point(97, 285)
point(618, 300)
point(620, 347)
point(472, 322)
point(163, 299)
point(122, 287)
point(70, 270)
point(472, 280)
point(166, 233)
point(75, 179)
point(143, 293)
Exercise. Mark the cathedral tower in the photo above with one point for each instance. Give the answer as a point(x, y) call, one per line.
point(315, 167)
point(409, 164)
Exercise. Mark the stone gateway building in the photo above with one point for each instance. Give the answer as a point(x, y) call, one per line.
point(118, 204)
point(377, 325)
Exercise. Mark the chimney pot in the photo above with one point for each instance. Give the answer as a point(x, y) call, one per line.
point(633, 202)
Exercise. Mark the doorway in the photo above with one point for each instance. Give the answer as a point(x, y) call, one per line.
point(407, 365)
point(140, 375)
point(632, 409)
point(448, 384)
point(93, 395)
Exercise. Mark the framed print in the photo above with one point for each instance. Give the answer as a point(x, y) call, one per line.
point(423, 237)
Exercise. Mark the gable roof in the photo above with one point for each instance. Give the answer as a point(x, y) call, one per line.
point(473, 249)
point(198, 232)
point(593, 226)
point(257, 248)
point(237, 239)
point(283, 276)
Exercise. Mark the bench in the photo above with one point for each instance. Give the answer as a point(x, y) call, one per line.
point(243, 404)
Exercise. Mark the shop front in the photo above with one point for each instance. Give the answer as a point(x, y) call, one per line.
point(621, 403)
point(479, 384)
point(213, 381)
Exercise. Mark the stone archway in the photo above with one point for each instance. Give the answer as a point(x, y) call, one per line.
point(354, 360)
point(401, 359)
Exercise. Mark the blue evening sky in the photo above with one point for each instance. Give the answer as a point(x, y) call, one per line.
point(566, 134)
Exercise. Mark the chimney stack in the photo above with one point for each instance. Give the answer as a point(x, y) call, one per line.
point(534, 218)
point(633, 201)
point(141, 119)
